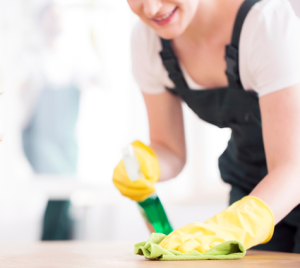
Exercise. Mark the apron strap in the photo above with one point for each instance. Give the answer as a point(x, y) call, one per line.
point(232, 55)
point(172, 66)
point(232, 50)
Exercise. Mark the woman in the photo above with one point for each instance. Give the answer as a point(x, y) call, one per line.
point(255, 91)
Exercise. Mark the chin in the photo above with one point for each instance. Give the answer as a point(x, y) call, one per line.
point(169, 33)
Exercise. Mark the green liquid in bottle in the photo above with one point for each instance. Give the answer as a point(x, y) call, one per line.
point(155, 215)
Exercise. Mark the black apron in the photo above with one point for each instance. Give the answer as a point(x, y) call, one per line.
point(243, 163)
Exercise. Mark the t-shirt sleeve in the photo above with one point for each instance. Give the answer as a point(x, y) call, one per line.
point(274, 49)
point(147, 67)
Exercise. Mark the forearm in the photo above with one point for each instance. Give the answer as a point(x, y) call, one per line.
point(171, 164)
point(166, 132)
point(280, 190)
point(281, 129)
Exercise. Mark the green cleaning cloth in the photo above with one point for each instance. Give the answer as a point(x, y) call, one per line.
point(151, 250)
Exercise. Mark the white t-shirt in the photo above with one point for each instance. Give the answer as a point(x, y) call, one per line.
point(269, 52)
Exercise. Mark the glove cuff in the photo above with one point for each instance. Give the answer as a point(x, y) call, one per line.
point(265, 207)
point(248, 220)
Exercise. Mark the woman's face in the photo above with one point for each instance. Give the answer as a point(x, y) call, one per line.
point(169, 18)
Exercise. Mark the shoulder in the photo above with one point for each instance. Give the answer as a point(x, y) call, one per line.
point(269, 6)
point(147, 66)
point(144, 35)
point(270, 17)
point(273, 22)
point(145, 42)
point(267, 15)
point(269, 47)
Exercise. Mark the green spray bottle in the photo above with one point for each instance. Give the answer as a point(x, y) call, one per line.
point(151, 209)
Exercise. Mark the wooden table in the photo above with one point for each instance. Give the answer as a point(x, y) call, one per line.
point(111, 254)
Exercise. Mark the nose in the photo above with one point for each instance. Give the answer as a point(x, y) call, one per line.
point(151, 7)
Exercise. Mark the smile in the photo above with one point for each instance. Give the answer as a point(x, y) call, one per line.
point(165, 18)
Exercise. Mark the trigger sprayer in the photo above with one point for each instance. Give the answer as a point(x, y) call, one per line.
point(151, 209)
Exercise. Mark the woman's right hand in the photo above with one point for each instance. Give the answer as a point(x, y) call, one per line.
point(142, 188)
point(167, 139)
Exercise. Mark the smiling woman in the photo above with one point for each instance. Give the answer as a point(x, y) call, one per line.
point(236, 64)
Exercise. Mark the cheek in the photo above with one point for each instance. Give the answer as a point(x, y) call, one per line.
point(189, 8)
point(135, 6)
point(186, 13)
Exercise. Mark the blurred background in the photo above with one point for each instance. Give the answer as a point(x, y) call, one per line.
point(69, 105)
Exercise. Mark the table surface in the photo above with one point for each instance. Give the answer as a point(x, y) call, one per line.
point(120, 254)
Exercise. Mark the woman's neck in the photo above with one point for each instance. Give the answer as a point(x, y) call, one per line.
point(213, 21)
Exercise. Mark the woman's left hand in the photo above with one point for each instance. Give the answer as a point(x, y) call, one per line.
point(249, 220)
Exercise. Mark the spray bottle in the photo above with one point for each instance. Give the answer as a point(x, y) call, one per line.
point(151, 208)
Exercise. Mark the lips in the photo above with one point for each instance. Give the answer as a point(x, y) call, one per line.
point(164, 19)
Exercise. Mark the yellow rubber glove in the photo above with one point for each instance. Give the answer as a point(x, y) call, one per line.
point(248, 220)
point(142, 188)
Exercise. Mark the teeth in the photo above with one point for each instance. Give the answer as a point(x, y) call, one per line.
point(164, 17)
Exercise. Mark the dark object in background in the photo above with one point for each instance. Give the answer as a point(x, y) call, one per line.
point(57, 225)
point(51, 148)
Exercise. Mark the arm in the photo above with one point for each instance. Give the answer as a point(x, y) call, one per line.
point(166, 132)
point(250, 219)
point(167, 142)
point(281, 132)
